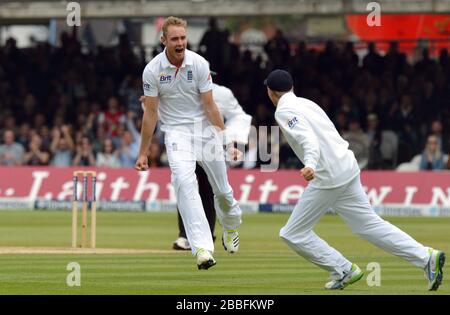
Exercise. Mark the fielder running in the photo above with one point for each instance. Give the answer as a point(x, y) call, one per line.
point(334, 182)
point(178, 90)
point(237, 129)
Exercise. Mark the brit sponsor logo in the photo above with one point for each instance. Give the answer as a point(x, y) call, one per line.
point(146, 86)
point(292, 122)
point(165, 78)
point(189, 76)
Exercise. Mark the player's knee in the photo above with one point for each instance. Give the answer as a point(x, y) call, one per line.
point(285, 234)
point(185, 180)
point(294, 237)
point(366, 229)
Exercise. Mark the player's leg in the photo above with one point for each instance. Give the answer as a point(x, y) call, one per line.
point(211, 158)
point(355, 209)
point(181, 230)
point(207, 196)
point(298, 231)
point(227, 208)
point(182, 164)
point(181, 243)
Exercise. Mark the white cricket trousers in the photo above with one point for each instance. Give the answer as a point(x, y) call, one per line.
point(351, 203)
point(183, 152)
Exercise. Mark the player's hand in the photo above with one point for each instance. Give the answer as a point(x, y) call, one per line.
point(236, 155)
point(233, 154)
point(307, 173)
point(141, 163)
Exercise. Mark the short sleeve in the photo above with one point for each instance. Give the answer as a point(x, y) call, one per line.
point(205, 83)
point(150, 84)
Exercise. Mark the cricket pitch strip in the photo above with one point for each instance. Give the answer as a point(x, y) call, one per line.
point(68, 250)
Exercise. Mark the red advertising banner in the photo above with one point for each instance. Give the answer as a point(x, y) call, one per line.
point(282, 187)
point(403, 27)
point(391, 193)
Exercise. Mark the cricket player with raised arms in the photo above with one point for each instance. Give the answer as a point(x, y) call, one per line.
point(334, 183)
point(178, 91)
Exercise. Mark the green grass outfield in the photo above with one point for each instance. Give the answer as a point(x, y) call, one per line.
point(264, 264)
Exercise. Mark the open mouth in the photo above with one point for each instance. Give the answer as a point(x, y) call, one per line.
point(179, 50)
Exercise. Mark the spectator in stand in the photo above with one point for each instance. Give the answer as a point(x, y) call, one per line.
point(373, 61)
point(85, 154)
point(39, 121)
point(78, 139)
point(432, 159)
point(405, 121)
point(154, 154)
point(108, 157)
point(394, 60)
point(443, 140)
point(426, 62)
point(110, 119)
point(8, 123)
point(358, 142)
point(341, 122)
point(84, 79)
point(11, 153)
point(130, 143)
point(130, 91)
point(374, 135)
point(46, 138)
point(24, 131)
point(62, 147)
point(99, 138)
point(29, 108)
point(36, 156)
point(429, 101)
point(278, 49)
point(209, 45)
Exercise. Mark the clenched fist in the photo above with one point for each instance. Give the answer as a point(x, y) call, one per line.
point(142, 163)
point(307, 173)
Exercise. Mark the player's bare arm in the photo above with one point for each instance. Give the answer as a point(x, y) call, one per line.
point(149, 120)
point(211, 110)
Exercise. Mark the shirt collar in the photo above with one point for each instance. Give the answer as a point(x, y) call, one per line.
point(285, 98)
point(186, 61)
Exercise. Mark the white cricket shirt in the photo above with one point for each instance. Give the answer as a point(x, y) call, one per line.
point(178, 89)
point(237, 122)
point(315, 141)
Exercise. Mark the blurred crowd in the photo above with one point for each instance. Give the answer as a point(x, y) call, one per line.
point(65, 106)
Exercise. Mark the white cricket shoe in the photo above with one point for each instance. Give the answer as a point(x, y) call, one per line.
point(181, 244)
point(230, 241)
point(433, 269)
point(349, 277)
point(204, 259)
